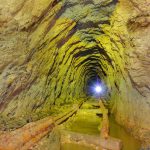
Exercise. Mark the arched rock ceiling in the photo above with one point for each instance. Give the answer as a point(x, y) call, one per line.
point(50, 48)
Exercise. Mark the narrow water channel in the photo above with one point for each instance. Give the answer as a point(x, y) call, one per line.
point(86, 121)
point(117, 131)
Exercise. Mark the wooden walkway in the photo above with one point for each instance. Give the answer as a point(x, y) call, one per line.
point(27, 136)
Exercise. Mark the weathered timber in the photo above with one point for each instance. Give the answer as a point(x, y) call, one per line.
point(92, 141)
point(105, 122)
point(25, 137)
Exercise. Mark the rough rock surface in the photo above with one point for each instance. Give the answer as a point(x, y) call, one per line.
point(129, 33)
point(49, 49)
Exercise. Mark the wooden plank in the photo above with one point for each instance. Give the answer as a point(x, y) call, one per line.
point(105, 121)
point(25, 137)
point(92, 141)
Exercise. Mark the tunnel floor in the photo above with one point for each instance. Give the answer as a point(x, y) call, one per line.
point(79, 128)
point(87, 122)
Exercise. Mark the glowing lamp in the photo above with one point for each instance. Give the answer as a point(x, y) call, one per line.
point(98, 89)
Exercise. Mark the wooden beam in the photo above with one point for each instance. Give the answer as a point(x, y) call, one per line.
point(105, 121)
point(92, 141)
point(26, 136)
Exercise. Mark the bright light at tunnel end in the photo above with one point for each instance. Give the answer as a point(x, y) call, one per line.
point(98, 89)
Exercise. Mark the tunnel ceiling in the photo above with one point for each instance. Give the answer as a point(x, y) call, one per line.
point(59, 52)
point(50, 49)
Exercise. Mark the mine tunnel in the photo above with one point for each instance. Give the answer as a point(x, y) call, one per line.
point(74, 75)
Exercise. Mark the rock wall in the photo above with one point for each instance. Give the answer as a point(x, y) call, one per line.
point(48, 52)
point(127, 42)
point(51, 48)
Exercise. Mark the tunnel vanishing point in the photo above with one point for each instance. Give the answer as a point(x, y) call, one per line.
point(51, 49)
